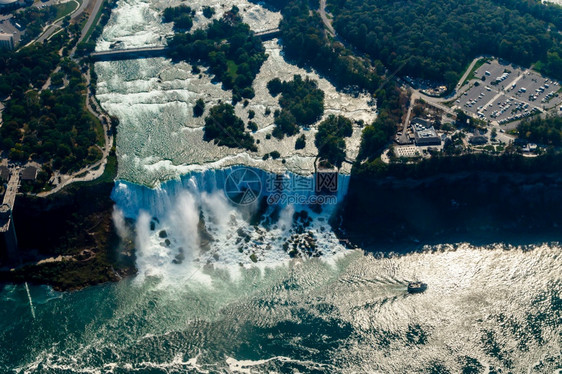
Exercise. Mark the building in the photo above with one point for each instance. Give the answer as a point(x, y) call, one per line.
point(4, 174)
point(478, 140)
point(6, 40)
point(424, 132)
point(6, 5)
point(420, 121)
point(29, 173)
point(530, 147)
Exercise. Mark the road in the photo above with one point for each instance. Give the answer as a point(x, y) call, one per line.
point(94, 171)
point(52, 28)
point(325, 19)
point(467, 72)
point(95, 9)
point(128, 53)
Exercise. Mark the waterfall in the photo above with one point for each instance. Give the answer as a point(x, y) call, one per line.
point(232, 216)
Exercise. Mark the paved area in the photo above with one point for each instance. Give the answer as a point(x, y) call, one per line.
point(327, 22)
point(504, 93)
point(407, 151)
point(12, 188)
point(6, 26)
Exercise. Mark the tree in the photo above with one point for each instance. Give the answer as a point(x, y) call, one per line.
point(275, 86)
point(225, 128)
point(301, 142)
point(208, 11)
point(199, 108)
point(330, 139)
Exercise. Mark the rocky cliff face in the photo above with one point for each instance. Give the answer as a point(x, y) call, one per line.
point(485, 207)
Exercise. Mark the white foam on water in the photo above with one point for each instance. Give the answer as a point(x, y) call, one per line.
point(158, 136)
point(187, 225)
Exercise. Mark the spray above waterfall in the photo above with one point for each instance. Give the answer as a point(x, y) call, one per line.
point(197, 221)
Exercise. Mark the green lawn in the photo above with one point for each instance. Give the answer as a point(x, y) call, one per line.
point(477, 66)
point(232, 69)
point(95, 23)
point(66, 8)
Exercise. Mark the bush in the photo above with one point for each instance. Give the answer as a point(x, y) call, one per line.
point(252, 126)
point(301, 142)
point(208, 11)
point(199, 108)
point(225, 128)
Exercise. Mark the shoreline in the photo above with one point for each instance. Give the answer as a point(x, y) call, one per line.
point(66, 243)
point(95, 254)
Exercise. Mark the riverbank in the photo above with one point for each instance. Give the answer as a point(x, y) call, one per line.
point(68, 240)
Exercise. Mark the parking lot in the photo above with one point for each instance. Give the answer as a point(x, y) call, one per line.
point(7, 27)
point(508, 93)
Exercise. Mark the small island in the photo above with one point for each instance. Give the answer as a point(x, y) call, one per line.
point(230, 49)
point(302, 104)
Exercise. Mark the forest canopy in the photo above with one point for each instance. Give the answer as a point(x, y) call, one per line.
point(50, 125)
point(330, 139)
point(234, 54)
point(225, 128)
point(301, 101)
point(180, 16)
point(436, 39)
point(547, 131)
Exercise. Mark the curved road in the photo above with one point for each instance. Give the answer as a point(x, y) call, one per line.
point(94, 171)
point(49, 30)
point(325, 19)
point(56, 26)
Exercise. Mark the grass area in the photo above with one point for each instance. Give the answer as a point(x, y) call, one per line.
point(100, 140)
point(66, 8)
point(477, 66)
point(232, 69)
point(99, 131)
point(109, 174)
point(94, 24)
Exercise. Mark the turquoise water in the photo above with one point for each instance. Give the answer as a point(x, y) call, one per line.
point(493, 309)
point(490, 309)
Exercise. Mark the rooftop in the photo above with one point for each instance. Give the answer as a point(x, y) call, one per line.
point(29, 173)
point(4, 173)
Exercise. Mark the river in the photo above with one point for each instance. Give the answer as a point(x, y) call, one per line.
point(221, 291)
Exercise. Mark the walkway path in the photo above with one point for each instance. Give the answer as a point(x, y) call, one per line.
point(56, 25)
point(325, 19)
point(96, 170)
point(12, 188)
